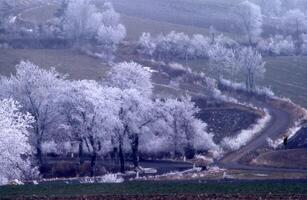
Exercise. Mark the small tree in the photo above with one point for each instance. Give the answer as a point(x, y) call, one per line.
point(252, 66)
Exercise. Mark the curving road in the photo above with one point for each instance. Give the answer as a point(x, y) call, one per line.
point(279, 124)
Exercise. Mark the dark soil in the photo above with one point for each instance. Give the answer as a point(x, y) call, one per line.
point(176, 197)
point(226, 120)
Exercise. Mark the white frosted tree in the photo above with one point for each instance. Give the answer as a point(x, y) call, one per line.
point(130, 75)
point(136, 112)
point(146, 45)
point(89, 110)
point(223, 61)
point(85, 23)
point(252, 66)
point(295, 23)
point(38, 92)
point(249, 19)
point(15, 149)
point(186, 133)
point(81, 20)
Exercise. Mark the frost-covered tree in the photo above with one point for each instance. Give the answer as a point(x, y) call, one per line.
point(295, 23)
point(146, 45)
point(223, 61)
point(200, 45)
point(15, 149)
point(179, 45)
point(84, 22)
point(252, 66)
point(81, 20)
point(186, 133)
point(135, 111)
point(89, 111)
point(277, 45)
point(38, 92)
point(249, 19)
point(130, 75)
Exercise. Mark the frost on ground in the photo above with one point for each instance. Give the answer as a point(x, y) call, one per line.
point(265, 91)
point(202, 160)
point(108, 178)
point(234, 143)
point(193, 173)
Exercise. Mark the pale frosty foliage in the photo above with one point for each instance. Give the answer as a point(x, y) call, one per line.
point(187, 132)
point(242, 87)
point(131, 75)
point(252, 67)
point(179, 45)
point(277, 45)
point(245, 61)
point(249, 19)
point(38, 91)
point(14, 142)
point(84, 21)
point(295, 22)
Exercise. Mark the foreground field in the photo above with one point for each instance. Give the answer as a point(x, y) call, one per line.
point(151, 189)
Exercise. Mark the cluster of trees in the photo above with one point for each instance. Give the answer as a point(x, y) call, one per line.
point(277, 45)
point(292, 25)
point(115, 118)
point(84, 22)
point(176, 45)
point(238, 63)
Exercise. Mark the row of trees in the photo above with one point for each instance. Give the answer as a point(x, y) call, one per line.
point(226, 57)
point(176, 45)
point(117, 117)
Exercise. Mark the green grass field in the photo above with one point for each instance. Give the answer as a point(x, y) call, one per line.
point(152, 188)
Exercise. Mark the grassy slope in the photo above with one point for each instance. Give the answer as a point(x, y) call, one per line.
point(146, 188)
point(286, 75)
point(66, 61)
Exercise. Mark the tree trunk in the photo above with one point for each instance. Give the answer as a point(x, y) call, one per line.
point(135, 151)
point(93, 163)
point(39, 154)
point(121, 158)
point(81, 159)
